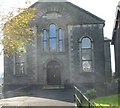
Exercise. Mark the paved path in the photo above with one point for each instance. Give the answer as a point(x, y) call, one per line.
point(33, 101)
point(62, 97)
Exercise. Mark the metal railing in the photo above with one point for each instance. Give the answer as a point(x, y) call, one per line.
point(81, 100)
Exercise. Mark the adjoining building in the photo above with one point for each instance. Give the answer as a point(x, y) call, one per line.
point(116, 43)
point(72, 51)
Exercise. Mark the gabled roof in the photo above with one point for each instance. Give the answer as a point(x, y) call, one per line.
point(87, 12)
point(77, 15)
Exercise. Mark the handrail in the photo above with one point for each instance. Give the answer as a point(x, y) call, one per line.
point(81, 93)
point(81, 100)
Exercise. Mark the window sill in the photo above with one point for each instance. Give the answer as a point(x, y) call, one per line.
point(87, 73)
point(20, 75)
point(53, 52)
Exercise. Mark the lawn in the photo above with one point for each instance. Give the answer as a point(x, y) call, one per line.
point(113, 100)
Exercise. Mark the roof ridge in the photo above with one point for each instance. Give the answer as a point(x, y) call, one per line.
point(52, 0)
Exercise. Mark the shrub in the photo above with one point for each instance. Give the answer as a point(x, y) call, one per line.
point(91, 93)
point(112, 87)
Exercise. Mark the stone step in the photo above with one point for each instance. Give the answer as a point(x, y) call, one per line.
point(53, 87)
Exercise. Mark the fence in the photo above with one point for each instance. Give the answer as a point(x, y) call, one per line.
point(81, 100)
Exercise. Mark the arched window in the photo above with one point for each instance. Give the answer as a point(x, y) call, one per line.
point(86, 43)
point(52, 37)
point(44, 39)
point(86, 50)
point(60, 40)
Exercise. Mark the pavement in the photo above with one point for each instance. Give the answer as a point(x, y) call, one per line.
point(42, 97)
point(33, 101)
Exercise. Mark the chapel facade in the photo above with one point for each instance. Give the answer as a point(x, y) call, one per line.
point(72, 50)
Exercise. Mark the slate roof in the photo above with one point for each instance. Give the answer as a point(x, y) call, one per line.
point(76, 14)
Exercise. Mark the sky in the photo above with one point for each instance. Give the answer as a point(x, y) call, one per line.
point(105, 9)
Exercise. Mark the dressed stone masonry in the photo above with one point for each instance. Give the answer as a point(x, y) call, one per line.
point(70, 52)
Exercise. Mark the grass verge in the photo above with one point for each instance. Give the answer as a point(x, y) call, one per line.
point(111, 101)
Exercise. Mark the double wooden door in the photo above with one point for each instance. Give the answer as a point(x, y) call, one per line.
point(53, 73)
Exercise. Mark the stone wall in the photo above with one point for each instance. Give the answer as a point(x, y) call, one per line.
point(95, 33)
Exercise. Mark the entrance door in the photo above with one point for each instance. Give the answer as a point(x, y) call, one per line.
point(53, 73)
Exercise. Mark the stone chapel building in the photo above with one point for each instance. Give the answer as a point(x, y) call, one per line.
point(72, 50)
